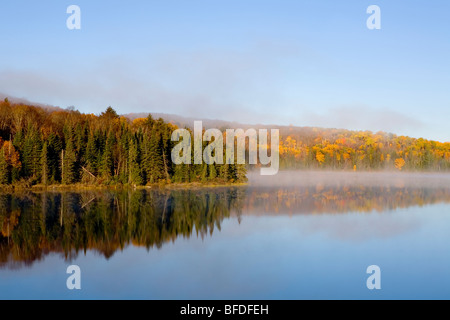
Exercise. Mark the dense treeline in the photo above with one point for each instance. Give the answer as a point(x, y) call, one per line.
point(312, 148)
point(65, 147)
point(38, 146)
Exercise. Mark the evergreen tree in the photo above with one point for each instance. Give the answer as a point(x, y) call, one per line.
point(135, 176)
point(241, 173)
point(31, 153)
point(212, 172)
point(224, 172)
point(107, 165)
point(204, 174)
point(153, 163)
point(44, 164)
point(68, 168)
point(91, 156)
point(54, 148)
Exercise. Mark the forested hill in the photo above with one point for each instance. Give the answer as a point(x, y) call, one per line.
point(316, 148)
point(58, 146)
point(39, 146)
point(360, 150)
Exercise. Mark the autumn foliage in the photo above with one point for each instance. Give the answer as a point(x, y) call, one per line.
point(313, 148)
point(39, 146)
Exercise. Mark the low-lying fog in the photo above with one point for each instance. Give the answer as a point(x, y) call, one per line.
point(346, 178)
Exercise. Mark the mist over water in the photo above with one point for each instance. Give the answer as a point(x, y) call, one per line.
point(289, 178)
point(275, 238)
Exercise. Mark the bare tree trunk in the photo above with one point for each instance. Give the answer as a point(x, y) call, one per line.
point(62, 166)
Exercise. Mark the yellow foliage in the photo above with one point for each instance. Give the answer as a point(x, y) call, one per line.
point(399, 163)
point(320, 157)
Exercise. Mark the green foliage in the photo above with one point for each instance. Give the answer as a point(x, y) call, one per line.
point(44, 164)
point(31, 153)
point(107, 164)
point(69, 158)
point(134, 159)
point(69, 147)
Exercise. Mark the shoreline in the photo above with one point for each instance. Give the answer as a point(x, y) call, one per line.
point(283, 178)
point(100, 187)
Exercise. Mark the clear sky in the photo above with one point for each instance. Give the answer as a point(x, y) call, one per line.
point(312, 63)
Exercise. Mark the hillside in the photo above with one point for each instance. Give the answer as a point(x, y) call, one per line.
point(329, 148)
point(23, 125)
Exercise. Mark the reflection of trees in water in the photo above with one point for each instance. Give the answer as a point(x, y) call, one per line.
point(35, 224)
point(322, 199)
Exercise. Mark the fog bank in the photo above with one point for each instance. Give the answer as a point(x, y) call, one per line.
point(346, 178)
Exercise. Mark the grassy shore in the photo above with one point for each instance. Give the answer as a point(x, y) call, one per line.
point(86, 187)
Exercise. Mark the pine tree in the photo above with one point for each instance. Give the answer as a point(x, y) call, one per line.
point(107, 165)
point(224, 172)
point(69, 163)
point(153, 163)
point(204, 174)
point(44, 164)
point(91, 156)
point(232, 173)
point(135, 176)
point(241, 173)
point(31, 153)
point(79, 141)
point(54, 148)
point(212, 172)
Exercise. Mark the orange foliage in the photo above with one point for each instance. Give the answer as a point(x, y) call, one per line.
point(11, 155)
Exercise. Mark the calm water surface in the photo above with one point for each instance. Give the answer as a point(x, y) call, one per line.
point(291, 236)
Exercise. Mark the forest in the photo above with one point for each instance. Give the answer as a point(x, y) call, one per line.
point(314, 148)
point(64, 146)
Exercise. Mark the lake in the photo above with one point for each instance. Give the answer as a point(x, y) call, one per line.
point(295, 235)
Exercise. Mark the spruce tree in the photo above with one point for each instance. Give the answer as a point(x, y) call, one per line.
point(135, 176)
point(204, 174)
point(241, 173)
point(31, 153)
point(91, 156)
point(153, 163)
point(54, 148)
point(68, 167)
point(212, 172)
point(44, 164)
point(107, 165)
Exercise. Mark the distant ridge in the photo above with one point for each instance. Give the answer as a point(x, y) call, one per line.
point(15, 100)
point(188, 122)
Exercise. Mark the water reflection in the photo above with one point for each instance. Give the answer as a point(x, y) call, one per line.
point(332, 199)
point(35, 224)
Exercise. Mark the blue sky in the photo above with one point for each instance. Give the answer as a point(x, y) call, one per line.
point(310, 63)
